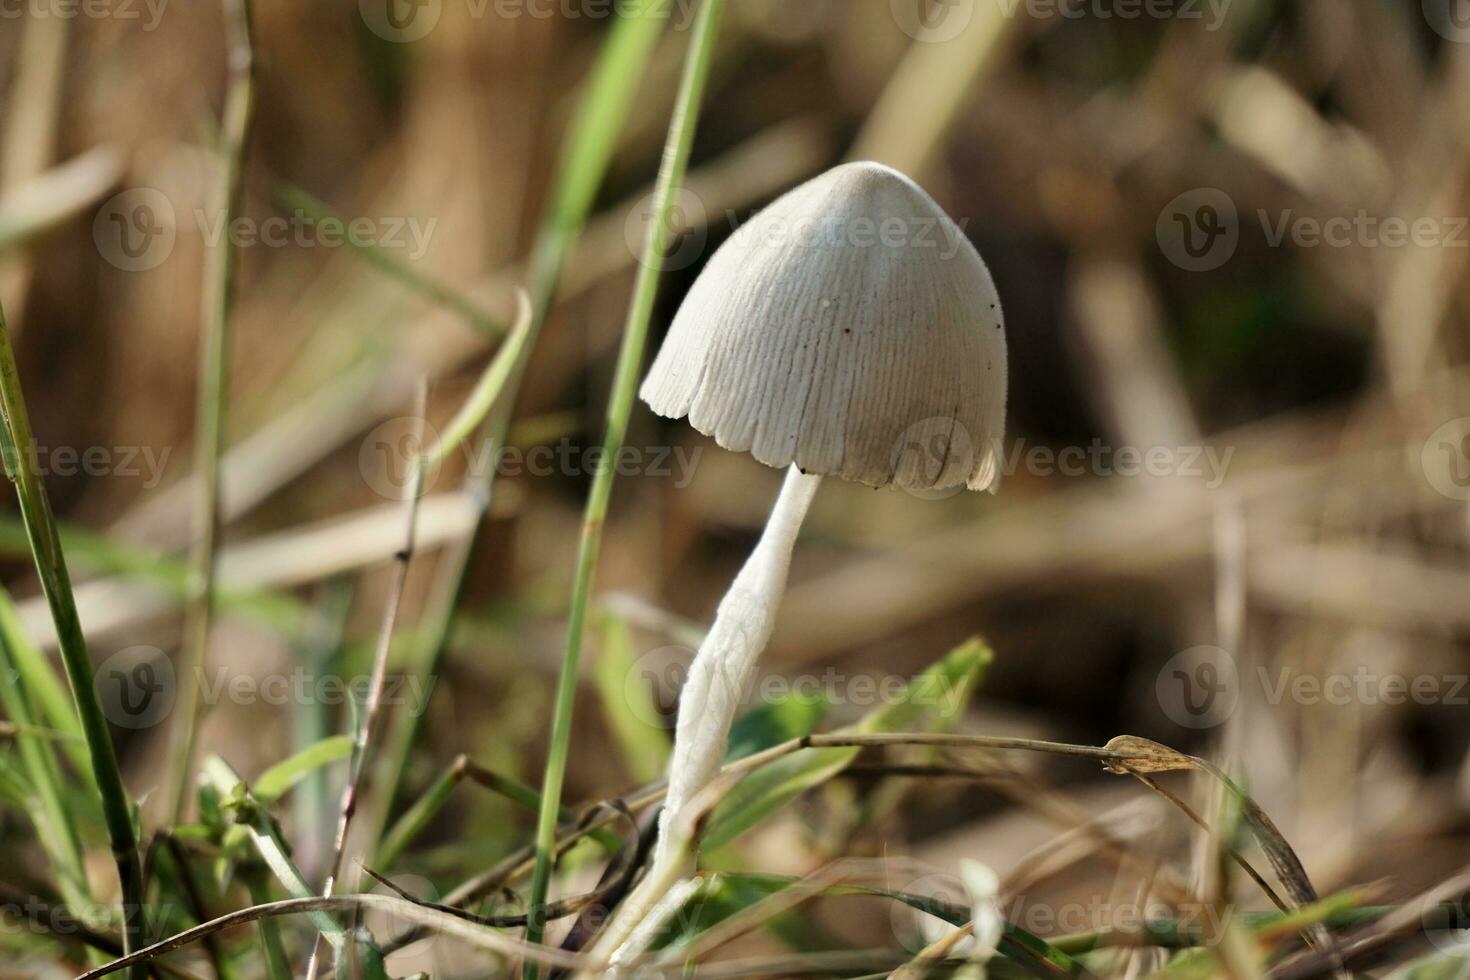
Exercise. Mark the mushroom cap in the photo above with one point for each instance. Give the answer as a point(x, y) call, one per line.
point(850, 328)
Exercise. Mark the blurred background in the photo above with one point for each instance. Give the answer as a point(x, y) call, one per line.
point(1229, 237)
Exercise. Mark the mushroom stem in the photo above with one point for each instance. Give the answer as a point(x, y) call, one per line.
point(725, 663)
point(718, 675)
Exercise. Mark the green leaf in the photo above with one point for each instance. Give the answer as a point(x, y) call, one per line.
point(933, 700)
point(721, 897)
point(628, 704)
point(13, 786)
point(779, 720)
point(1016, 943)
point(360, 959)
point(279, 778)
point(35, 674)
point(45, 801)
point(726, 894)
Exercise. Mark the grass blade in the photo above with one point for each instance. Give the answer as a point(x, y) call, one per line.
point(620, 407)
point(769, 789)
point(44, 801)
point(441, 294)
point(213, 396)
point(629, 708)
point(34, 673)
point(276, 781)
point(585, 155)
point(35, 509)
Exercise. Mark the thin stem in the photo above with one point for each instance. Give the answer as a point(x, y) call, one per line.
point(486, 391)
point(213, 395)
point(190, 889)
point(273, 950)
point(35, 510)
point(417, 816)
point(625, 381)
point(439, 293)
point(468, 932)
point(356, 777)
point(268, 845)
point(605, 104)
point(54, 823)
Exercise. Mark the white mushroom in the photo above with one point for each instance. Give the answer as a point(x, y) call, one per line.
point(826, 329)
point(848, 330)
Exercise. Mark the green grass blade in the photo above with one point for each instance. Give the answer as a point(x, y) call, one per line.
point(250, 815)
point(620, 407)
point(213, 399)
point(15, 788)
point(45, 689)
point(272, 949)
point(628, 704)
point(54, 823)
point(592, 138)
point(276, 781)
point(586, 152)
point(35, 508)
point(486, 391)
point(293, 198)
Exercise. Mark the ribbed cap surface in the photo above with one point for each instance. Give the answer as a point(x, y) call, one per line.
point(851, 329)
